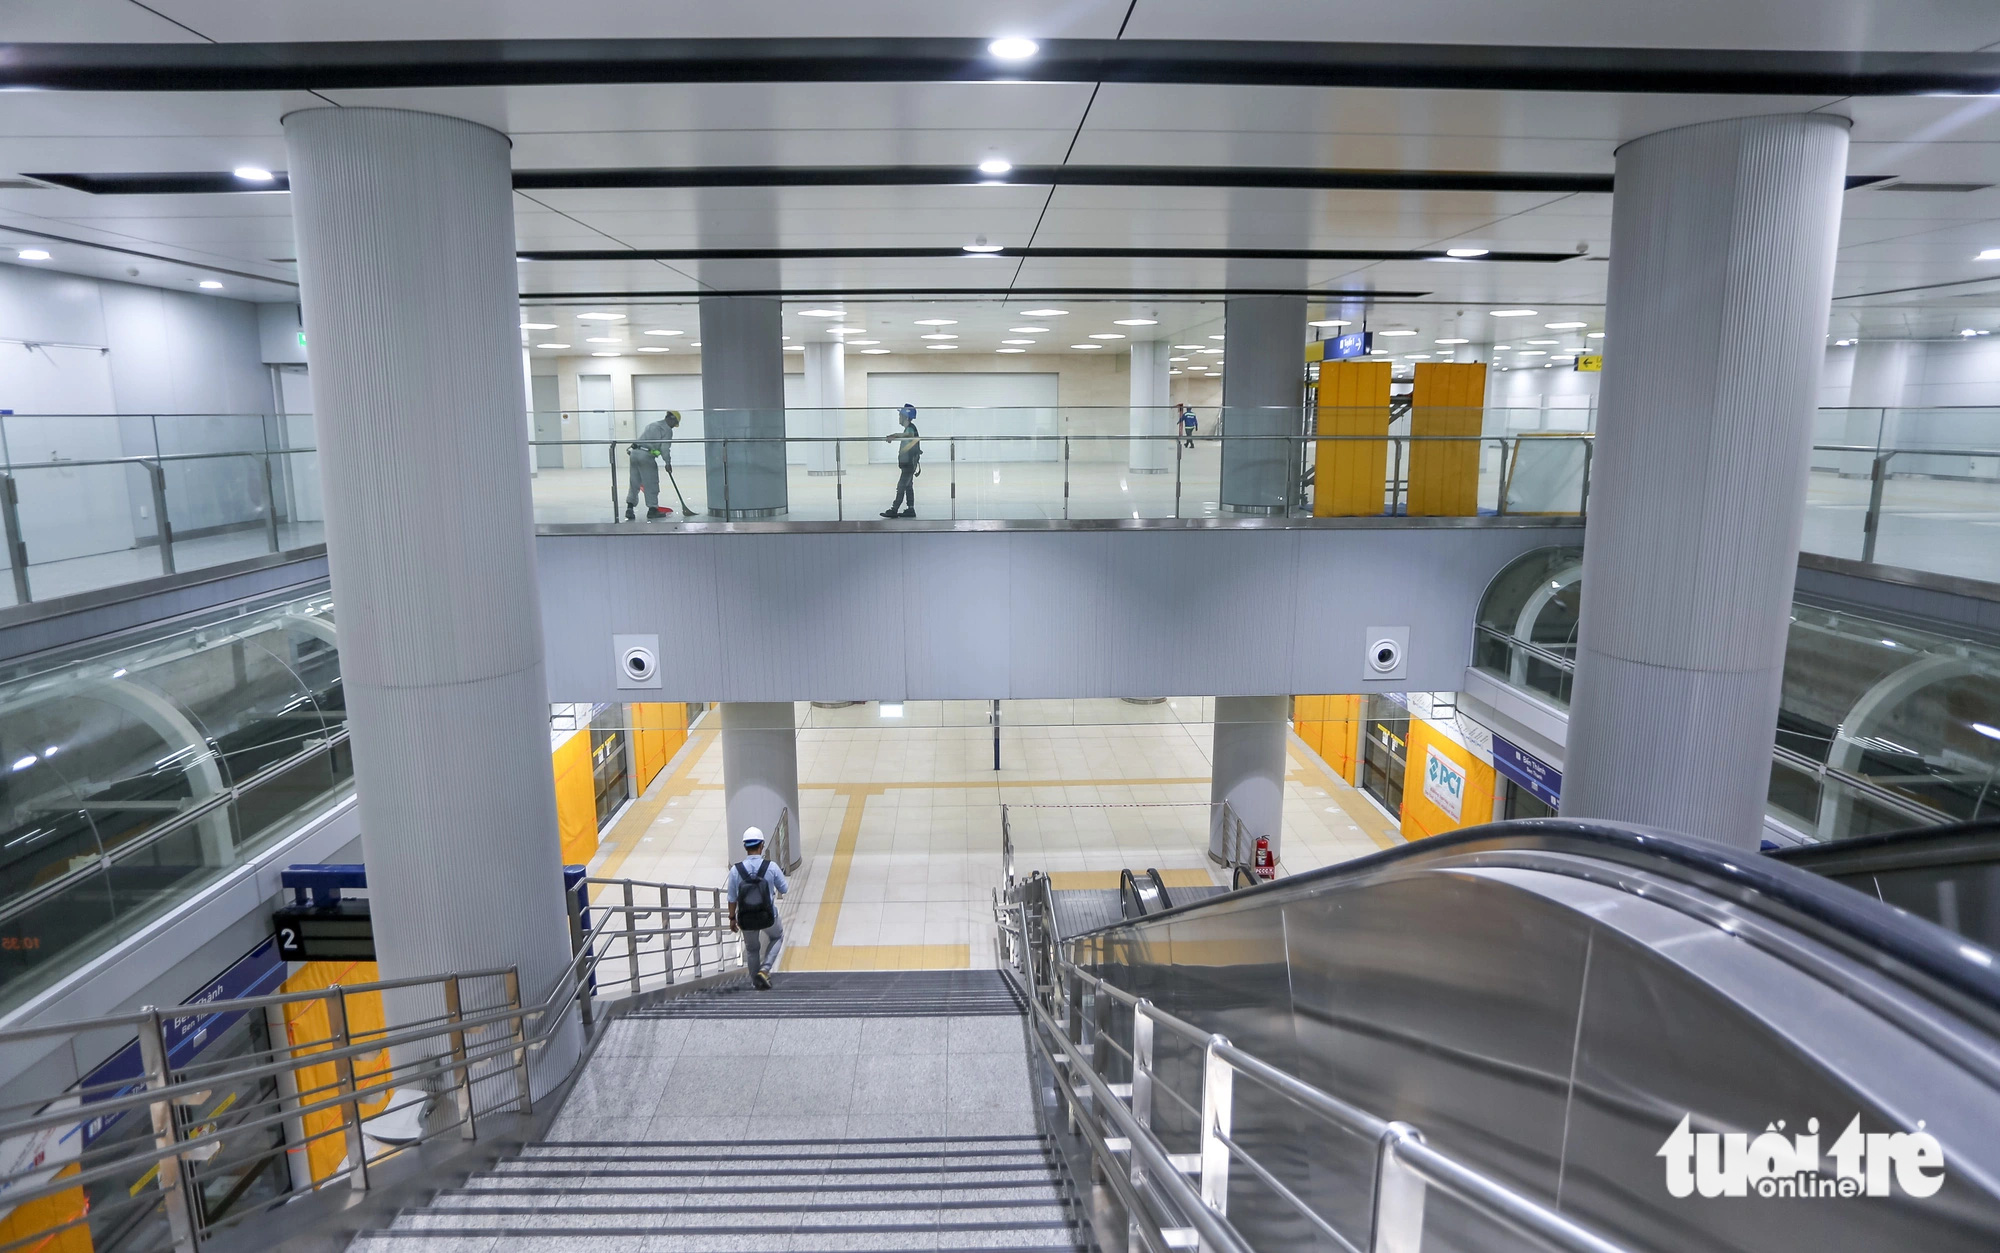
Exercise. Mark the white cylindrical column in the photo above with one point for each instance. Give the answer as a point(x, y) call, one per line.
point(826, 398)
point(760, 768)
point(1153, 422)
point(743, 398)
point(1722, 251)
point(1248, 769)
point(405, 229)
point(1263, 391)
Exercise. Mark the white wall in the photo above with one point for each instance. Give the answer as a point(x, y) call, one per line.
point(968, 403)
point(1555, 399)
point(1914, 394)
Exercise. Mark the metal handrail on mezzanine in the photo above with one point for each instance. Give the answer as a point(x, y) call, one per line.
point(1177, 1201)
point(480, 1036)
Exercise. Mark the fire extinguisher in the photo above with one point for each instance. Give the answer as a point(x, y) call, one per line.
point(1265, 865)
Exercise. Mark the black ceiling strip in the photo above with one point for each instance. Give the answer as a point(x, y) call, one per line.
point(1016, 294)
point(1034, 254)
point(210, 182)
point(333, 65)
point(203, 266)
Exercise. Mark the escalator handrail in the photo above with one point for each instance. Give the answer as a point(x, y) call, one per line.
point(1160, 888)
point(1877, 933)
point(1952, 844)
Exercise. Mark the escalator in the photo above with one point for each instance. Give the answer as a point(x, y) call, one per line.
point(1569, 1035)
point(1948, 875)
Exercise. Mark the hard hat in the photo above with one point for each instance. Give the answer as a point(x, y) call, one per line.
point(908, 411)
point(752, 837)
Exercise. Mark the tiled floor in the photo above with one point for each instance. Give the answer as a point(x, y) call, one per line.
point(901, 821)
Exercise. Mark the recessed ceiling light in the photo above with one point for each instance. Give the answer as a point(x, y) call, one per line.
point(1600, 335)
point(1086, 347)
point(1218, 337)
point(1465, 252)
point(695, 344)
point(938, 335)
point(1503, 348)
point(1416, 356)
point(995, 165)
point(942, 347)
point(980, 249)
point(1173, 372)
point(538, 326)
point(253, 174)
point(937, 321)
point(1134, 322)
point(1013, 48)
point(845, 330)
point(1451, 341)
point(1189, 347)
point(856, 343)
point(822, 313)
point(1107, 335)
point(1210, 352)
point(600, 317)
point(1010, 350)
point(600, 339)
point(1331, 322)
point(1044, 313)
point(551, 345)
point(1988, 254)
point(1545, 343)
point(785, 339)
point(795, 347)
point(1028, 330)
point(1177, 358)
point(653, 348)
point(1510, 313)
point(33, 254)
point(604, 354)
point(874, 352)
point(209, 284)
point(1531, 352)
point(1394, 333)
point(1843, 343)
point(666, 332)
point(1017, 341)
point(1565, 326)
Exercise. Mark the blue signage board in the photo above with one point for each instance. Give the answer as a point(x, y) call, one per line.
point(1346, 347)
point(1528, 770)
point(187, 1033)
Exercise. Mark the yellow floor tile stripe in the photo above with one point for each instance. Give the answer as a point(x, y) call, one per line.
point(626, 833)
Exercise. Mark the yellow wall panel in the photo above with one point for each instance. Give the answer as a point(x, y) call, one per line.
point(1446, 399)
point(1340, 735)
point(1421, 815)
point(34, 1217)
point(307, 1028)
point(649, 742)
point(1349, 475)
point(576, 800)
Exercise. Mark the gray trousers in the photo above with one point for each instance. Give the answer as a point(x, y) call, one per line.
point(643, 472)
point(755, 955)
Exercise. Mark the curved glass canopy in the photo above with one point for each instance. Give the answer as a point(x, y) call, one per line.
point(1881, 726)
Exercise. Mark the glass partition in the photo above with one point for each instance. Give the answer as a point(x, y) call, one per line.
point(131, 778)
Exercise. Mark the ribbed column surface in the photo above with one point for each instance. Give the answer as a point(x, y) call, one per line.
point(1722, 250)
point(1152, 412)
point(760, 767)
point(1262, 386)
point(406, 272)
point(826, 396)
point(1247, 767)
point(743, 396)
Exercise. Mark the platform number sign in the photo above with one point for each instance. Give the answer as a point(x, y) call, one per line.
point(1444, 782)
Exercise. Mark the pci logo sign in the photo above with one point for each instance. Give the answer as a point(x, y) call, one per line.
point(1444, 782)
point(1727, 1164)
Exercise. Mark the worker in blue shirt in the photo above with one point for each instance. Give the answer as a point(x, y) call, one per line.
point(755, 884)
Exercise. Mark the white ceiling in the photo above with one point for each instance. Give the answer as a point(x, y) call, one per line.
point(1890, 240)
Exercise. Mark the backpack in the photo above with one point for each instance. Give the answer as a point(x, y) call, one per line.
point(754, 910)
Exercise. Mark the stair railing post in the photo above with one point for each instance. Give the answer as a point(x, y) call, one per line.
point(270, 502)
point(1217, 1091)
point(461, 1074)
point(520, 1038)
point(1142, 1102)
point(1399, 1196)
point(1871, 522)
point(343, 1079)
point(579, 943)
point(696, 921)
point(165, 529)
point(176, 1192)
point(17, 548)
point(632, 937)
point(666, 934)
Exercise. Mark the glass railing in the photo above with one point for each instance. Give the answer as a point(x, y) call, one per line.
point(133, 778)
point(1054, 464)
point(1923, 506)
point(93, 501)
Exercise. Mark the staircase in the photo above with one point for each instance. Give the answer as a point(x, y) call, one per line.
point(840, 1111)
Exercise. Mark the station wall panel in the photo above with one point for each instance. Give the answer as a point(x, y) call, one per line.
point(658, 731)
point(576, 799)
point(1349, 475)
point(1331, 727)
point(1447, 398)
point(31, 1218)
point(1425, 816)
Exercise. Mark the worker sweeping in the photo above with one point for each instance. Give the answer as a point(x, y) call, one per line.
point(643, 471)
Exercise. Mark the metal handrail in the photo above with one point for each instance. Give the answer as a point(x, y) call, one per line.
point(449, 1065)
point(1404, 1164)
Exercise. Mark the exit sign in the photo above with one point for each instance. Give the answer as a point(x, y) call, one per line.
point(302, 339)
